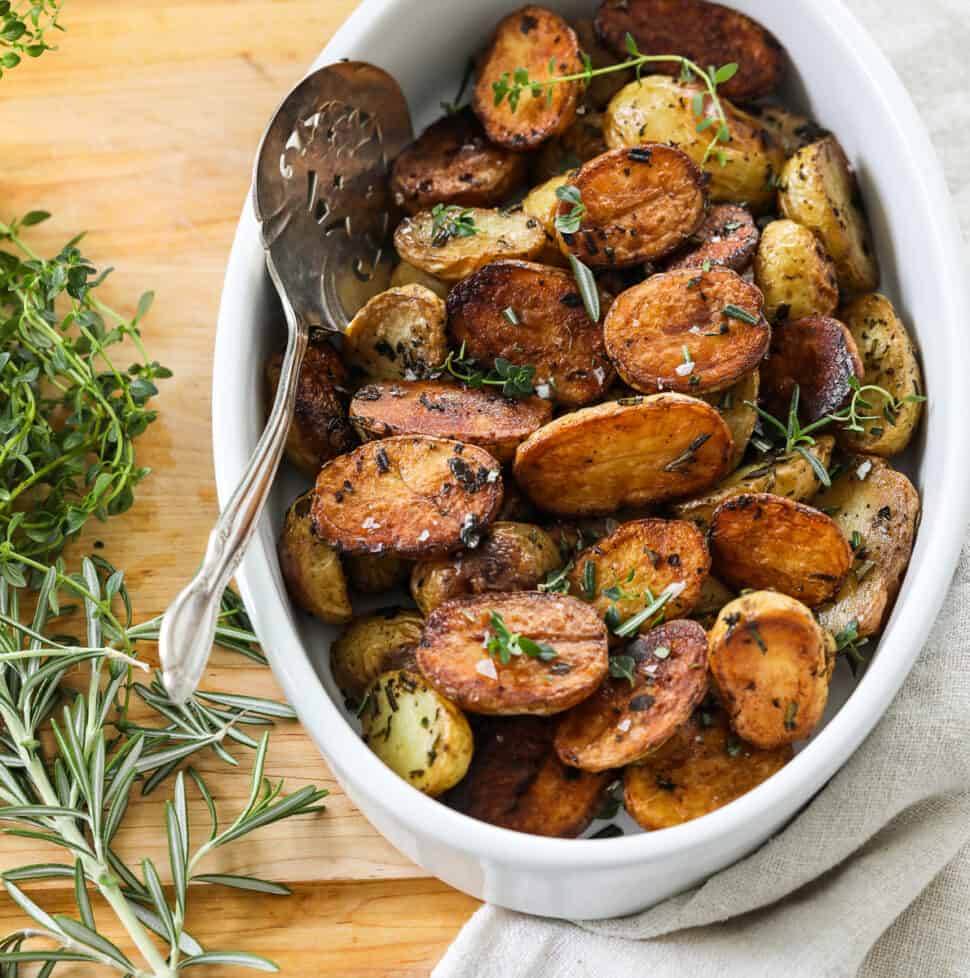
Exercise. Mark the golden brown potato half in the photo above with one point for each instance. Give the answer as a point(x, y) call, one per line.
point(320, 429)
point(517, 781)
point(771, 663)
point(727, 239)
point(703, 767)
point(706, 33)
point(628, 718)
point(794, 273)
point(792, 476)
point(416, 732)
point(580, 142)
point(574, 536)
point(431, 407)
point(878, 509)
point(713, 597)
point(364, 649)
point(890, 362)
point(759, 540)
point(819, 355)
point(689, 331)
point(633, 452)
point(312, 570)
point(452, 162)
point(542, 203)
point(511, 557)
point(734, 405)
point(603, 87)
point(790, 130)
point(406, 274)
point(410, 495)
point(641, 203)
point(399, 334)
point(532, 314)
point(818, 189)
point(567, 635)
point(376, 573)
point(433, 245)
point(659, 109)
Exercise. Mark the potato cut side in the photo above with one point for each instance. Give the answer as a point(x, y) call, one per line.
point(633, 452)
point(734, 405)
point(480, 417)
point(533, 315)
point(759, 540)
point(624, 721)
point(365, 648)
point(688, 330)
point(771, 663)
point(406, 274)
point(377, 573)
point(416, 732)
point(454, 657)
point(603, 87)
point(532, 38)
point(411, 495)
point(641, 203)
point(727, 239)
point(580, 142)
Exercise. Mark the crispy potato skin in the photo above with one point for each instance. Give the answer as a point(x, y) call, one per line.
point(580, 142)
point(884, 508)
point(431, 407)
point(771, 663)
point(410, 495)
point(706, 33)
point(406, 274)
point(511, 557)
point(363, 649)
point(703, 767)
point(641, 203)
point(621, 723)
point(649, 326)
point(517, 781)
point(553, 332)
point(790, 130)
point(452, 653)
point(376, 573)
point(739, 416)
point(727, 238)
point(452, 162)
point(759, 540)
point(626, 453)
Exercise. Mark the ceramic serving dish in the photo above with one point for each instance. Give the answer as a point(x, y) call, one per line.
point(838, 76)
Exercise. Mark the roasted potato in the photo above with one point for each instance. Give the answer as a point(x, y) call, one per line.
point(407, 274)
point(818, 189)
point(759, 540)
point(517, 781)
point(411, 495)
point(431, 407)
point(511, 557)
point(688, 330)
point(727, 238)
point(601, 88)
point(542, 203)
point(626, 719)
point(534, 39)
point(633, 452)
point(794, 273)
point(564, 661)
point(771, 663)
point(638, 204)
point(376, 573)
point(399, 334)
point(878, 509)
point(790, 130)
point(734, 405)
point(580, 142)
point(416, 732)
point(312, 570)
point(703, 767)
point(575, 536)
point(889, 360)
point(532, 314)
point(516, 507)
point(713, 597)
point(369, 645)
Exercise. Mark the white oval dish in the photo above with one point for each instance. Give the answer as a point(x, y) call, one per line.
point(840, 78)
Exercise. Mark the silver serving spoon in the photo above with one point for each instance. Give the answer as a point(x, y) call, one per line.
point(321, 196)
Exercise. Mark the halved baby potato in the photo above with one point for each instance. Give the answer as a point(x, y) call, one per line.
point(771, 663)
point(369, 645)
point(569, 637)
point(376, 573)
point(632, 452)
point(416, 732)
point(624, 721)
point(727, 238)
point(759, 540)
point(580, 142)
point(407, 274)
point(687, 330)
point(411, 495)
point(734, 405)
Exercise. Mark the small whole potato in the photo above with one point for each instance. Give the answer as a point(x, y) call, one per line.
point(795, 275)
point(368, 646)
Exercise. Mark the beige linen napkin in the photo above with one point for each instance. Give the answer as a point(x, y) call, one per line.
point(873, 878)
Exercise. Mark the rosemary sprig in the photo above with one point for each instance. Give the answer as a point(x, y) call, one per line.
point(515, 381)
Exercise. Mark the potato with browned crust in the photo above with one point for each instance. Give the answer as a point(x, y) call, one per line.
point(713, 597)
point(727, 238)
point(734, 405)
point(368, 646)
point(789, 129)
point(550, 652)
point(688, 330)
point(410, 495)
point(407, 274)
point(632, 452)
point(771, 663)
point(638, 204)
point(517, 781)
point(376, 573)
point(580, 142)
point(626, 719)
point(759, 540)
point(532, 314)
point(601, 88)
point(542, 203)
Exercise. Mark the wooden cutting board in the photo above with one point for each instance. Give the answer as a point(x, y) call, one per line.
point(141, 129)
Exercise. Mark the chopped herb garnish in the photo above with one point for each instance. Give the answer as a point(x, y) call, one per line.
point(686, 457)
point(511, 316)
point(755, 633)
point(557, 581)
point(505, 643)
point(661, 652)
point(587, 288)
point(589, 580)
point(733, 746)
point(655, 607)
point(515, 381)
point(570, 223)
point(610, 831)
point(451, 221)
point(736, 312)
point(854, 416)
point(790, 715)
point(622, 667)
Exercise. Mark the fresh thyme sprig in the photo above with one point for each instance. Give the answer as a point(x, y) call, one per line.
point(514, 380)
point(451, 221)
point(23, 29)
point(504, 643)
point(848, 642)
point(853, 415)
